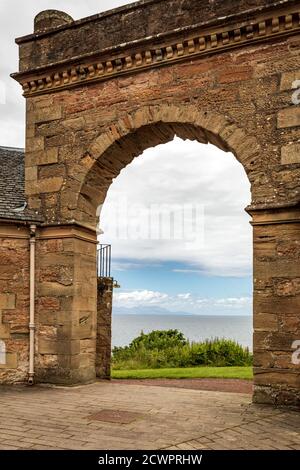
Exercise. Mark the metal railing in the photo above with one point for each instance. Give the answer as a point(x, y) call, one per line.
point(104, 261)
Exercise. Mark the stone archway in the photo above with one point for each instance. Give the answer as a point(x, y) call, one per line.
point(149, 126)
point(226, 80)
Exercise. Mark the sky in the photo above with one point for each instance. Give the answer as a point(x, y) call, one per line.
point(181, 240)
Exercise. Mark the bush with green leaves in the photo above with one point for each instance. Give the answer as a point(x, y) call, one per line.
point(169, 348)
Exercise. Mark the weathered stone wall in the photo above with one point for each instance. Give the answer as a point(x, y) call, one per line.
point(276, 306)
point(66, 305)
point(14, 303)
point(104, 319)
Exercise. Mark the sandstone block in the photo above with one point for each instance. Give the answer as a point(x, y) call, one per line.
point(4, 331)
point(276, 377)
point(235, 74)
point(50, 185)
point(289, 117)
point(45, 114)
point(49, 303)
point(273, 341)
point(47, 157)
point(34, 144)
point(271, 304)
point(283, 361)
point(264, 359)
point(290, 154)
point(7, 301)
point(74, 124)
point(55, 289)
point(287, 287)
point(265, 322)
point(31, 173)
point(47, 346)
point(11, 361)
point(46, 185)
point(84, 331)
point(288, 79)
point(69, 361)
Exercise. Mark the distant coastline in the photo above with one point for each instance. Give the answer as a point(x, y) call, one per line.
point(127, 326)
point(145, 311)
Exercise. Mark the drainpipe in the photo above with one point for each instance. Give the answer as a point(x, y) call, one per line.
point(32, 304)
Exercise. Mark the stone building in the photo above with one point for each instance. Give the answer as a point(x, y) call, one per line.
point(15, 221)
point(19, 227)
point(101, 90)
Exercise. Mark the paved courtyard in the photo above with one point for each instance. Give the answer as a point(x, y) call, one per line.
point(123, 416)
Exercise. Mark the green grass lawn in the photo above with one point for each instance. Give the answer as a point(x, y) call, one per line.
point(186, 373)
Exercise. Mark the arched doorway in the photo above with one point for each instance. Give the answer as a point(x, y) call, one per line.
point(181, 244)
point(154, 128)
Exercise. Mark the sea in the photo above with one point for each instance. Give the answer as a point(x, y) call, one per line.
point(195, 327)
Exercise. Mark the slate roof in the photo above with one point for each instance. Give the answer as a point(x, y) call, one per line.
point(12, 186)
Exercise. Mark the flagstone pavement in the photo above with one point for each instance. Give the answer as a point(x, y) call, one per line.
point(110, 416)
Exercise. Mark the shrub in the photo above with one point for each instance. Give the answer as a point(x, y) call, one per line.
point(159, 339)
point(169, 348)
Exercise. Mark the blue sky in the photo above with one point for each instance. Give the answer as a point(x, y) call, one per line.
point(166, 276)
point(162, 286)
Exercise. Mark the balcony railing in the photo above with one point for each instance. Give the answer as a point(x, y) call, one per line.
point(104, 261)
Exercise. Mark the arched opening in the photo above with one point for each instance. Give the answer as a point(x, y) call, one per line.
point(182, 244)
point(131, 136)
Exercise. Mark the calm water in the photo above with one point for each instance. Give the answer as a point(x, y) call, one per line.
point(195, 328)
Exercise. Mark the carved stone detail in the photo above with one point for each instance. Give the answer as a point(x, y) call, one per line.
point(198, 45)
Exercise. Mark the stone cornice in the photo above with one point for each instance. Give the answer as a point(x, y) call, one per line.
point(71, 230)
point(274, 214)
point(155, 52)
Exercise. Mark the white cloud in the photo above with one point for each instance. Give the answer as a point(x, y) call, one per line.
point(187, 271)
point(184, 296)
point(141, 299)
point(176, 174)
point(121, 266)
point(234, 302)
point(138, 298)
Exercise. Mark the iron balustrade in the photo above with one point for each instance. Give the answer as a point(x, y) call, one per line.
point(104, 261)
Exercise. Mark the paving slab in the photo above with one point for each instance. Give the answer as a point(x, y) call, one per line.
point(139, 417)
